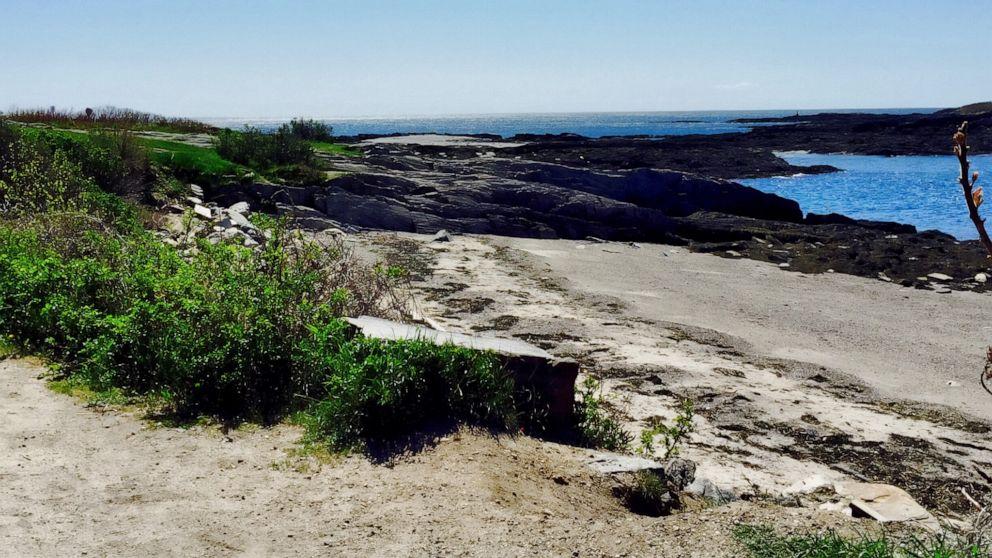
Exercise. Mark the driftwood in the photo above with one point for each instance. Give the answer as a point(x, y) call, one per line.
point(972, 195)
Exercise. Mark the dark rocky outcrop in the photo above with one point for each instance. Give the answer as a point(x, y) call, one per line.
point(424, 189)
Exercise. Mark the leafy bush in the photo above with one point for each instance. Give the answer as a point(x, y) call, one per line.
point(380, 390)
point(764, 542)
point(311, 130)
point(220, 329)
point(672, 436)
point(114, 161)
point(595, 426)
point(256, 149)
point(35, 178)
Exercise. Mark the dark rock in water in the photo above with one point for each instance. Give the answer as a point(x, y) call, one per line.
point(836, 218)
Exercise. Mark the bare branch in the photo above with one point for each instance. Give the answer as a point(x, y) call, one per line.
point(971, 197)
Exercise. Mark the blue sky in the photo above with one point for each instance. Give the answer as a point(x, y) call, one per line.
point(381, 58)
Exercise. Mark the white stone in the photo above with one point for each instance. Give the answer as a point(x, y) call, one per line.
point(981, 277)
point(939, 276)
point(240, 207)
point(203, 211)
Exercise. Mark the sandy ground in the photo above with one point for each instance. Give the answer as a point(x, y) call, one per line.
point(78, 481)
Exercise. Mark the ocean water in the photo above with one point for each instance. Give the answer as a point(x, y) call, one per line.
point(591, 124)
point(921, 191)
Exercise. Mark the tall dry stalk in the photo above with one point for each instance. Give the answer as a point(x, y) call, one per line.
point(972, 195)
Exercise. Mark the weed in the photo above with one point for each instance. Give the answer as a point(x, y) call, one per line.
point(764, 542)
point(672, 436)
point(595, 426)
point(649, 495)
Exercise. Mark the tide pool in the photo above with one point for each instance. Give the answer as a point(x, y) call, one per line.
point(919, 190)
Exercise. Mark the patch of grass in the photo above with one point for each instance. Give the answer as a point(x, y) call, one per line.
point(74, 387)
point(335, 148)
point(764, 542)
point(184, 155)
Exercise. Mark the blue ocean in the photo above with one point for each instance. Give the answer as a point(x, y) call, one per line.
point(921, 191)
point(590, 124)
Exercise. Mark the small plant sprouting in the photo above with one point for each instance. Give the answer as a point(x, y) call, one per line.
point(672, 437)
point(595, 426)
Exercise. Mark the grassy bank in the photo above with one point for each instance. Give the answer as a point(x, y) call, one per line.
point(212, 329)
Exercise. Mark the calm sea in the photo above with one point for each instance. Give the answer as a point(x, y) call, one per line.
point(918, 190)
point(921, 191)
point(591, 124)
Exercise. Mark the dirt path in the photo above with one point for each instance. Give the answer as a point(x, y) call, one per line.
point(75, 481)
point(654, 321)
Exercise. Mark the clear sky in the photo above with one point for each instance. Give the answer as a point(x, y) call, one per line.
point(386, 58)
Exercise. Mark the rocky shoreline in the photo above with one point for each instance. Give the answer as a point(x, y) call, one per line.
point(482, 185)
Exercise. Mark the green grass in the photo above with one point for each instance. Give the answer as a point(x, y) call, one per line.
point(186, 156)
point(764, 542)
point(335, 148)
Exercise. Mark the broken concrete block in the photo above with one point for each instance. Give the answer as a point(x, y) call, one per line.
point(883, 502)
point(551, 379)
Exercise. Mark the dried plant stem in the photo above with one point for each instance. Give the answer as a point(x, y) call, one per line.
point(968, 183)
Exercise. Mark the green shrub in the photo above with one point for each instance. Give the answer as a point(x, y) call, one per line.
point(256, 149)
point(114, 161)
point(649, 495)
point(596, 427)
point(382, 390)
point(221, 329)
point(311, 130)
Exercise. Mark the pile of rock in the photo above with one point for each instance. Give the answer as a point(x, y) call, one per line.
point(213, 222)
point(227, 223)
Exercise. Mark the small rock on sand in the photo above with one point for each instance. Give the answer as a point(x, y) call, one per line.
point(939, 276)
